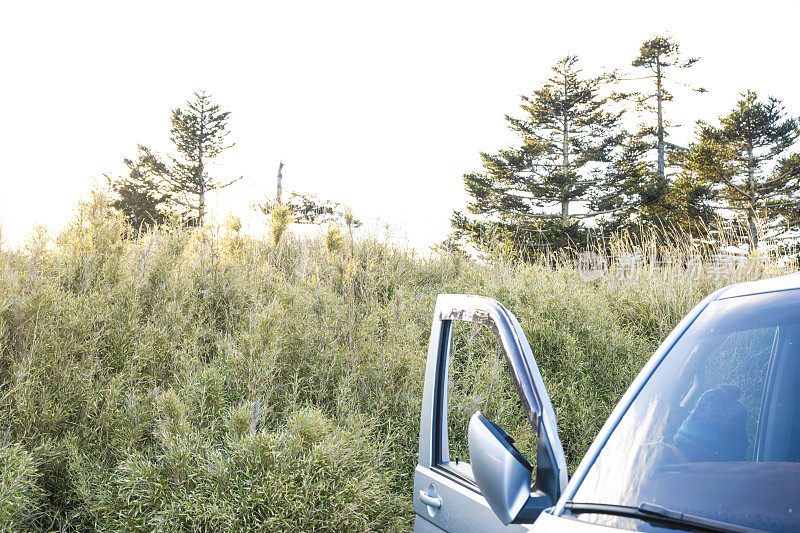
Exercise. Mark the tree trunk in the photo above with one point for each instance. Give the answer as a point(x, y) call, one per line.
point(752, 232)
point(280, 186)
point(201, 208)
point(565, 161)
point(752, 201)
point(661, 170)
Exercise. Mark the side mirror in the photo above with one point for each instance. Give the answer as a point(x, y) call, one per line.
point(502, 473)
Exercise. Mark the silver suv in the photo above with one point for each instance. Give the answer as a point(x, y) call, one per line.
point(707, 437)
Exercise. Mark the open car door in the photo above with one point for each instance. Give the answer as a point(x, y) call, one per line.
point(496, 491)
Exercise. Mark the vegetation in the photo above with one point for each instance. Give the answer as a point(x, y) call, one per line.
point(154, 191)
point(306, 208)
point(658, 55)
point(566, 136)
point(141, 196)
point(575, 174)
point(181, 381)
point(744, 158)
point(199, 133)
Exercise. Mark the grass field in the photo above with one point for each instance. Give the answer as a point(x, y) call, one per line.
point(193, 382)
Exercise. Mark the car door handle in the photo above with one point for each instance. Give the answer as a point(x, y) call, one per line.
point(430, 501)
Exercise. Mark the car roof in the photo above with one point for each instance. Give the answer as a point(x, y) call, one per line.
point(780, 283)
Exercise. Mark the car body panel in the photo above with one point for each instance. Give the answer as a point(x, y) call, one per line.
point(780, 283)
point(547, 522)
point(459, 495)
point(463, 509)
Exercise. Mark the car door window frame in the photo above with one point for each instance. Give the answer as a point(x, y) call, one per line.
point(434, 445)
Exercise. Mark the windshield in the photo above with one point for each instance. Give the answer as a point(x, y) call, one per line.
point(715, 432)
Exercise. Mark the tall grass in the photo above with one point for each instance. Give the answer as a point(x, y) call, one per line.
point(193, 381)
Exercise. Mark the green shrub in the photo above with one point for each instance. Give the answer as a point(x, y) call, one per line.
point(183, 382)
point(20, 495)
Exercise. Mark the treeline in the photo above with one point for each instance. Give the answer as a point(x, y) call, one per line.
point(576, 174)
point(157, 188)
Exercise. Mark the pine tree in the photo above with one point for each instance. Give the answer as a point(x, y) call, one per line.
point(659, 55)
point(141, 195)
point(629, 191)
point(691, 203)
point(789, 210)
point(638, 198)
point(637, 190)
point(746, 158)
point(566, 134)
point(198, 131)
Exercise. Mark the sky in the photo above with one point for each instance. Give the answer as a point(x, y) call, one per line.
point(382, 106)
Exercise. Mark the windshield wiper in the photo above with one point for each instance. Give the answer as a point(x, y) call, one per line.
point(655, 513)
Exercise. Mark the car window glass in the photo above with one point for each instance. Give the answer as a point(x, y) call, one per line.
point(735, 362)
point(741, 360)
point(479, 380)
point(718, 417)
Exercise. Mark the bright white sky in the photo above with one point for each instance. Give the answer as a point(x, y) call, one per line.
point(379, 105)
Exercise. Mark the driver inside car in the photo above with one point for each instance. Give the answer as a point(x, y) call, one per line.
point(715, 429)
